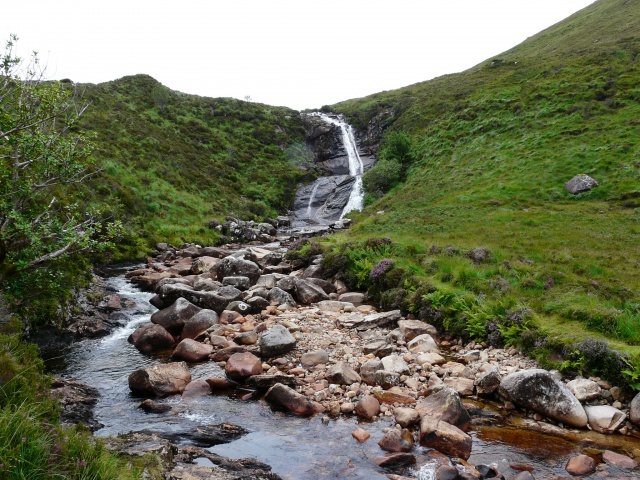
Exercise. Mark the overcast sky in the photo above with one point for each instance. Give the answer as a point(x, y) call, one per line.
point(302, 54)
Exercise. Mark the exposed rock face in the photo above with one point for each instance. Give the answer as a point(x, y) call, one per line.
point(292, 401)
point(160, 380)
point(276, 341)
point(538, 390)
point(580, 183)
point(323, 200)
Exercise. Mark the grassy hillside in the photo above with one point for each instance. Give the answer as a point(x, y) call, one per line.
point(173, 161)
point(492, 148)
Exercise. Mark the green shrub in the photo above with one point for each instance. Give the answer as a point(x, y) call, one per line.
point(382, 177)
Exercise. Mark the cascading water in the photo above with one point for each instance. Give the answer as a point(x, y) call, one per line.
point(356, 167)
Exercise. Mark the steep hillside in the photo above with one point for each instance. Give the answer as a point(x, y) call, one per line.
point(174, 161)
point(491, 149)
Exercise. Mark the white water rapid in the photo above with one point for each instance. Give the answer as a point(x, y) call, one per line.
point(356, 167)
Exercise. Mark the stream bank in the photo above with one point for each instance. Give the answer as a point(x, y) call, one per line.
point(326, 327)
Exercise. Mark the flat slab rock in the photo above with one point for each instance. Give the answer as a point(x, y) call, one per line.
point(360, 322)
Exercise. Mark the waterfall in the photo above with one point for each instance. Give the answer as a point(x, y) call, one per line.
point(356, 167)
point(313, 194)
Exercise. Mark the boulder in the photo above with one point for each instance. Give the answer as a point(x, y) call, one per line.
point(392, 460)
point(239, 282)
point(325, 285)
point(367, 407)
point(235, 266)
point(223, 354)
point(278, 296)
point(266, 381)
point(240, 307)
point(539, 391)
point(397, 441)
point(151, 406)
point(196, 388)
point(203, 264)
point(368, 370)
point(581, 465)
point(405, 416)
point(370, 321)
point(276, 341)
point(488, 382)
point(292, 401)
point(380, 347)
point(240, 366)
point(342, 374)
point(311, 359)
point(333, 305)
point(246, 338)
point(584, 389)
point(605, 418)
point(267, 281)
point(192, 351)
point(464, 386)
point(395, 363)
point(174, 317)
point(410, 329)
point(634, 410)
point(160, 380)
point(619, 461)
point(307, 292)
point(444, 437)
point(423, 344)
point(288, 284)
point(580, 183)
point(258, 304)
point(431, 358)
point(393, 396)
point(446, 406)
point(150, 337)
point(227, 316)
point(386, 379)
point(352, 297)
point(199, 323)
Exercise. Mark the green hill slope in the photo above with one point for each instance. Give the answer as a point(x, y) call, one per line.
point(492, 149)
point(173, 161)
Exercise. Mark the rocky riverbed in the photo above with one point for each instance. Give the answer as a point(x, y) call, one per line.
point(308, 346)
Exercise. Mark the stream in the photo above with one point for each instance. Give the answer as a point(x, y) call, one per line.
point(296, 448)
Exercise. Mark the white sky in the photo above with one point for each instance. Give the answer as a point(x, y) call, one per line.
point(302, 54)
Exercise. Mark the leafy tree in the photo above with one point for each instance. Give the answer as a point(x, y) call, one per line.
point(43, 158)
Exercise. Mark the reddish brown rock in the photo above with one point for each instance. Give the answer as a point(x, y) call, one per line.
point(444, 437)
point(150, 337)
point(445, 405)
point(224, 354)
point(387, 396)
point(242, 365)
point(619, 461)
point(196, 388)
point(217, 383)
point(160, 380)
point(361, 435)
point(292, 401)
point(581, 465)
point(192, 351)
point(397, 441)
point(367, 407)
point(395, 460)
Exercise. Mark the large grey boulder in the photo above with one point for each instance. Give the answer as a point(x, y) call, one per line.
point(233, 266)
point(277, 296)
point(537, 390)
point(276, 341)
point(199, 323)
point(160, 380)
point(174, 317)
point(580, 183)
point(307, 292)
